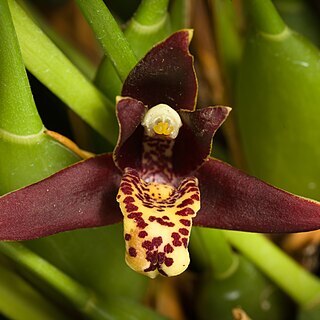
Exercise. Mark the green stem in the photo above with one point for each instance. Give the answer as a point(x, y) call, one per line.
point(18, 299)
point(180, 14)
point(298, 283)
point(110, 36)
point(84, 300)
point(79, 296)
point(264, 16)
point(18, 114)
point(150, 12)
point(57, 73)
point(217, 252)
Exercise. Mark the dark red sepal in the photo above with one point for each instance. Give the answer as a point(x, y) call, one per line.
point(128, 151)
point(165, 75)
point(79, 196)
point(230, 199)
point(193, 144)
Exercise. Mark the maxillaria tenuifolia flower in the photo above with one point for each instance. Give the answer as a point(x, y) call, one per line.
point(160, 179)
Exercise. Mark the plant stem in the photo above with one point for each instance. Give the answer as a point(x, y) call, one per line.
point(83, 299)
point(44, 270)
point(180, 14)
point(217, 252)
point(18, 298)
point(264, 16)
point(57, 73)
point(18, 114)
point(298, 283)
point(151, 12)
point(149, 25)
point(108, 33)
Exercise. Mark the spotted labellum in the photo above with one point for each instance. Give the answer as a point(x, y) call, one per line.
point(160, 179)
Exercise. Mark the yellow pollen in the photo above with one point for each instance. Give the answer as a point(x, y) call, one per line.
point(163, 128)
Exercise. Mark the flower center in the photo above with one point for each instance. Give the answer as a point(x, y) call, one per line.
point(163, 121)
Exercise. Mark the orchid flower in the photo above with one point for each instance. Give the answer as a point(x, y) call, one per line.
point(160, 178)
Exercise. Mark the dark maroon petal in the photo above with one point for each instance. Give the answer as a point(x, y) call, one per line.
point(165, 75)
point(130, 113)
point(193, 144)
point(230, 199)
point(80, 196)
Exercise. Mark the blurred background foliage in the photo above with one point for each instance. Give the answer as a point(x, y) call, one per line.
point(267, 69)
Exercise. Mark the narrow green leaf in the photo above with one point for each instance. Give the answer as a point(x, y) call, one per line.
point(83, 299)
point(55, 71)
point(109, 35)
point(91, 257)
point(18, 299)
point(228, 40)
point(298, 283)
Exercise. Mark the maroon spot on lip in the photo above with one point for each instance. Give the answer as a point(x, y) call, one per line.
point(168, 262)
point(135, 215)
point(184, 231)
point(131, 207)
point(176, 239)
point(152, 257)
point(195, 197)
point(141, 223)
point(128, 200)
point(126, 190)
point(161, 257)
point(127, 236)
point(168, 248)
point(132, 252)
point(185, 202)
point(157, 241)
point(147, 245)
point(151, 268)
point(162, 272)
point(185, 222)
point(185, 242)
point(142, 234)
point(185, 212)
